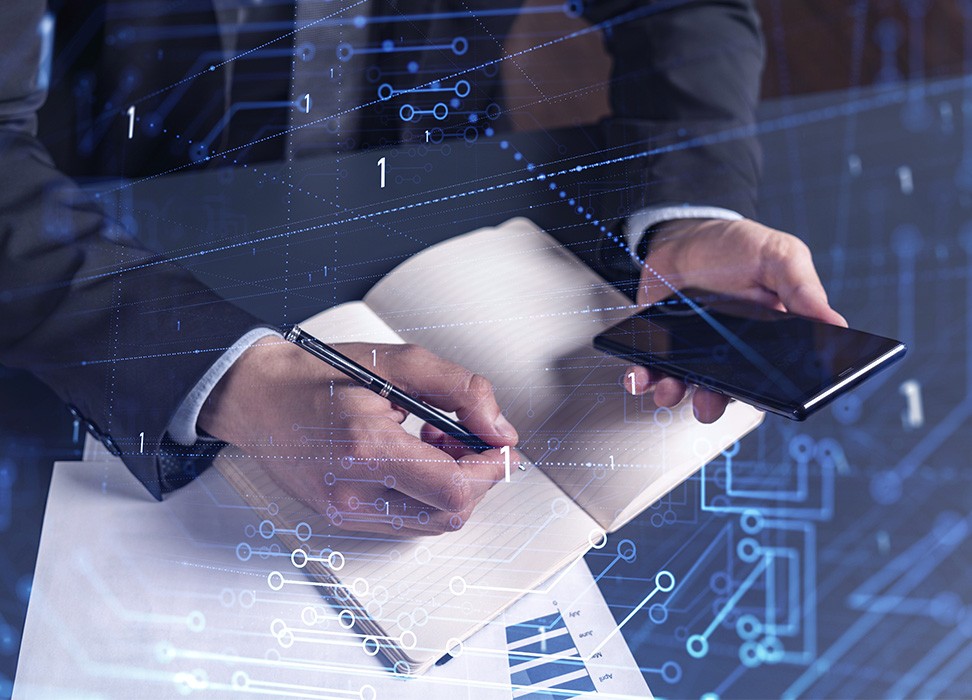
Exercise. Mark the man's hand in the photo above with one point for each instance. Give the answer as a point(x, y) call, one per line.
point(741, 258)
point(341, 448)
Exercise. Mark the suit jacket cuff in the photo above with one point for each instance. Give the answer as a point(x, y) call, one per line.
point(182, 427)
point(639, 222)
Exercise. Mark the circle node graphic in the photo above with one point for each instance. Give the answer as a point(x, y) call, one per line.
point(275, 580)
point(750, 654)
point(751, 521)
point(658, 613)
point(627, 550)
point(748, 550)
point(408, 640)
point(671, 672)
point(697, 646)
point(346, 619)
point(335, 561)
point(665, 581)
point(748, 627)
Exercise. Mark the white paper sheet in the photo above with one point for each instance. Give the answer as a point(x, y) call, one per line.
point(133, 598)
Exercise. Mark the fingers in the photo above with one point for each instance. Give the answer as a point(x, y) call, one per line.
point(638, 380)
point(807, 301)
point(709, 405)
point(453, 447)
point(453, 388)
point(426, 473)
point(370, 507)
point(787, 269)
point(669, 392)
point(391, 513)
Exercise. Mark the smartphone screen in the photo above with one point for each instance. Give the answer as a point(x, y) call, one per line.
point(776, 361)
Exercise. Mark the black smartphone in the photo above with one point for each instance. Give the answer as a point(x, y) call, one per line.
point(779, 362)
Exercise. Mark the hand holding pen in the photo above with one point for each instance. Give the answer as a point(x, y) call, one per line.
point(340, 447)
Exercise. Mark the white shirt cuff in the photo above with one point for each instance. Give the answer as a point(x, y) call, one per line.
point(642, 220)
point(182, 427)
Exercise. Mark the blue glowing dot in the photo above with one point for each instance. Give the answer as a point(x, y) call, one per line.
point(504, 145)
point(572, 202)
point(490, 131)
point(531, 167)
point(387, 45)
point(212, 68)
point(473, 118)
point(563, 195)
point(360, 21)
point(553, 185)
point(517, 156)
point(413, 66)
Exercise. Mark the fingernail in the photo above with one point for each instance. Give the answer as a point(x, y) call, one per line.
point(504, 427)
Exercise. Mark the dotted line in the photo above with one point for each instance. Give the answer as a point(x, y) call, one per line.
point(214, 66)
point(652, 9)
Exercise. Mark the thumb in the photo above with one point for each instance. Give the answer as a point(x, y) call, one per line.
point(451, 387)
point(812, 303)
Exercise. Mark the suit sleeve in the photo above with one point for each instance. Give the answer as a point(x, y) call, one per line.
point(684, 88)
point(119, 333)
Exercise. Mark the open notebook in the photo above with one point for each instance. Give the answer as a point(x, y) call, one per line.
point(514, 305)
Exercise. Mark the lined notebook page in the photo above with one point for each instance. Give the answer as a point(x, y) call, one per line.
point(421, 594)
point(512, 304)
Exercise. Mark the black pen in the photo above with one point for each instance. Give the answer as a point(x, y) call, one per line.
point(383, 388)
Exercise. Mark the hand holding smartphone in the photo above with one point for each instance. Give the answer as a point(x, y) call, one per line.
point(779, 362)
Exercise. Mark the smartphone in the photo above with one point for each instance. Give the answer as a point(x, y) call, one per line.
point(779, 362)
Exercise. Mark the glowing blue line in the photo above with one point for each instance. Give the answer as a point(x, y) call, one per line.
point(740, 592)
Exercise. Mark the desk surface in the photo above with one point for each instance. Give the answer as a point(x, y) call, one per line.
point(859, 583)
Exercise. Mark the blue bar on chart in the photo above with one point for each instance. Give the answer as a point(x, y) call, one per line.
point(544, 662)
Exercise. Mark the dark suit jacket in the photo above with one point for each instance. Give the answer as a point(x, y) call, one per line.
point(95, 317)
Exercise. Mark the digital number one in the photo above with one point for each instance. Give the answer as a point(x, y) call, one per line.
point(381, 166)
point(131, 121)
point(505, 451)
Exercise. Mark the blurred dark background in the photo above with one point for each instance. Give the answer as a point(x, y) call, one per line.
point(814, 46)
